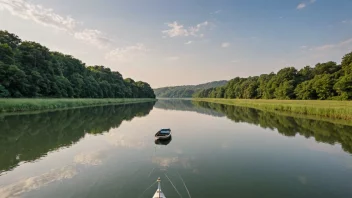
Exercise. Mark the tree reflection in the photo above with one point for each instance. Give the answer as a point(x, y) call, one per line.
point(322, 131)
point(185, 105)
point(28, 137)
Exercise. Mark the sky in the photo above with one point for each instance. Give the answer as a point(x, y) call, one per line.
point(181, 42)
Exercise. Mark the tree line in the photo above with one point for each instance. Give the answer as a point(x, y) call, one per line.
point(325, 81)
point(28, 69)
point(185, 91)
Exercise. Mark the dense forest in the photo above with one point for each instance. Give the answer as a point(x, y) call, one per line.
point(28, 69)
point(185, 91)
point(325, 81)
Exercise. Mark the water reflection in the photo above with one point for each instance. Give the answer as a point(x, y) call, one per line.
point(322, 131)
point(28, 137)
point(185, 105)
point(125, 161)
point(25, 185)
point(162, 142)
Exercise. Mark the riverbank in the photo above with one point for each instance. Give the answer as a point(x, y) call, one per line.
point(322, 108)
point(20, 105)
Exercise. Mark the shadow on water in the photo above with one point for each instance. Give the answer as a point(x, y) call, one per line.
point(26, 138)
point(322, 131)
point(162, 142)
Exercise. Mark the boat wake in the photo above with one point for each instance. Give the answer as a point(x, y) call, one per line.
point(189, 194)
point(173, 185)
point(147, 189)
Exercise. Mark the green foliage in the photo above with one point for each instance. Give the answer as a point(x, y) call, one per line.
point(326, 81)
point(28, 69)
point(21, 104)
point(4, 93)
point(186, 91)
point(344, 87)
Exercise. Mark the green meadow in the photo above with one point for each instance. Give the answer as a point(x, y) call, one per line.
point(19, 105)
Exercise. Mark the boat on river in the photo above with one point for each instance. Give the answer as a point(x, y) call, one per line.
point(162, 141)
point(163, 134)
point(159, 193)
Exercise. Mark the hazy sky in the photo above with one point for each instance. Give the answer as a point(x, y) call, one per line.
point(175, 42)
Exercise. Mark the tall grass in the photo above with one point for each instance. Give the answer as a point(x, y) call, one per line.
point(322, 108)
point(18, 105)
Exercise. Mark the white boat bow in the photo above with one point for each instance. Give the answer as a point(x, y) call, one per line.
point(159, 193)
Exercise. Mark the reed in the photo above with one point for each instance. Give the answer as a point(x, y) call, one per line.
point(26, 104)
point(322, 108)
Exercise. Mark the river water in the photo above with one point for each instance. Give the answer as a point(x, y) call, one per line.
point(215, 151)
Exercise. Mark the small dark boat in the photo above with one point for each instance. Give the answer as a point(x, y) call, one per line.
point(162, 141)
point(163, 134)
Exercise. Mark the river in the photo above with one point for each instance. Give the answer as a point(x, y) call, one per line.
point(215, 151)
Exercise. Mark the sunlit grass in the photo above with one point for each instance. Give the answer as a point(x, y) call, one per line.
point(18, 105)
point(323, 108)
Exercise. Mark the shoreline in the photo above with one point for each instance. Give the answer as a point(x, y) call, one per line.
point(14, 105)
point(338, 110)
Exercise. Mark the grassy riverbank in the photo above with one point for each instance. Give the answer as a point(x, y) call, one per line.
point(322, 108)
point(19, 105)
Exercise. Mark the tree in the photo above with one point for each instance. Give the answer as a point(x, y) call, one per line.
point(323, 86)
point(326, 68)
point(11, 40)
point(305, 91)
point(347, 63)
point(344, 87)
point(285, 90)
point(4, 93)
point(28, 69)
point(325, 81)
point(6, 54)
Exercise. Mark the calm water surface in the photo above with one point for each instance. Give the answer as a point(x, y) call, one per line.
point(216, 151)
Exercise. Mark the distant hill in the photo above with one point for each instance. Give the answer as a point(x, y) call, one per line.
point(185, 91)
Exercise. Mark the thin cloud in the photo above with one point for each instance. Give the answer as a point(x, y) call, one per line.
point(128, 53)
point(47, 17)
point(38, 14)
point(194, 30)
point(175, 30)
point(343, 44)
point(304, 4)
point(188, 42)
point(92, 158)
point(346, 21)
point(301, 6)
point(94, 37)
point(20, 187)
point(225, 44)
point(178, 30)
point(216, 12)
